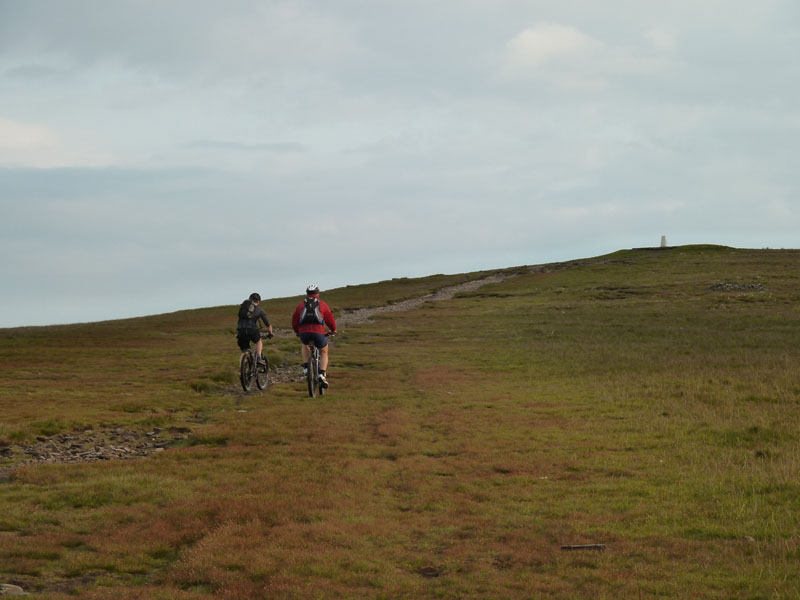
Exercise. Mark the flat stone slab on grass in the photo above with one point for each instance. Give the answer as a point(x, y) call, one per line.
point(6, 589)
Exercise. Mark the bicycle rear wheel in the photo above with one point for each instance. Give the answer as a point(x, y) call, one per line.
point(246, 371)
point(310, 379)
point(261, 375)
point(313, 373)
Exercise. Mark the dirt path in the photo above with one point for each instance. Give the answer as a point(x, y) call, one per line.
point(286, 374)
point(363, 315)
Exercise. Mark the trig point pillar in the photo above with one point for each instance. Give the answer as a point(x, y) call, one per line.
point(663, 241)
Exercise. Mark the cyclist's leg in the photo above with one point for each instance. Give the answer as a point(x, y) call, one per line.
point(323, 366)
point(323, 359)
point(255, 338)
point(243, 340)
point(305, 350)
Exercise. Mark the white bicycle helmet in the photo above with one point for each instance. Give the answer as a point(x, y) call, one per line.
point(312, 288)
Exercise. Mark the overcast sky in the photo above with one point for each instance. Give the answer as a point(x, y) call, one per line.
point(158, 155)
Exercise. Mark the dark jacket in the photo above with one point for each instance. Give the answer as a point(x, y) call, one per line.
point(258, 313)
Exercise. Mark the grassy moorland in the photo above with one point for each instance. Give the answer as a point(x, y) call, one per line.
point(620, 400)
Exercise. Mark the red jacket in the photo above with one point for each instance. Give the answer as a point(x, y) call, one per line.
point(327, 316)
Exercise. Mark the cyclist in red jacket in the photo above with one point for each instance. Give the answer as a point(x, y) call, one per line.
point(308, 321)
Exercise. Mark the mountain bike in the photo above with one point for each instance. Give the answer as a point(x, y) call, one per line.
point(251, 373)
point(312, 374)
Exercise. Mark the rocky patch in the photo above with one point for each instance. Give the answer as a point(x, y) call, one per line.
point(90, 446)
point(738, 287)
point(288, 373)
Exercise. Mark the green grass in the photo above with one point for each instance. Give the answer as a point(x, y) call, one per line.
point(616, 400)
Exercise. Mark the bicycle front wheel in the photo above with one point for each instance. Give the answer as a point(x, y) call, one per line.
point(246, 371)
point(261, 375)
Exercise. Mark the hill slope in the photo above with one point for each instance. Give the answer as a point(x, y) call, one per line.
point(627, 400)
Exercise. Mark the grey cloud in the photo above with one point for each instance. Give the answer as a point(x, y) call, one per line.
point(31, 72)
point(180, 39)
point(280, 147)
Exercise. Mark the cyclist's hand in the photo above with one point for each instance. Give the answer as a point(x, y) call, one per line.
point(270, 336)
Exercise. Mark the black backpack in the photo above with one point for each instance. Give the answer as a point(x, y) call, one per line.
point(247, 309)
point(311, 315)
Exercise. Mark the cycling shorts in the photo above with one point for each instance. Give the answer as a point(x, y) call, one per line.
point(317, 339)
point(245, 336)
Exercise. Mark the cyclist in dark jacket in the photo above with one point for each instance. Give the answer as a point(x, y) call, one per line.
point(310, 328)
point(247, 329)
